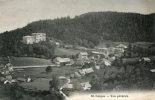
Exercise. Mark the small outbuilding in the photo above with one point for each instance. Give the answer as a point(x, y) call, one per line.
point(62, 61)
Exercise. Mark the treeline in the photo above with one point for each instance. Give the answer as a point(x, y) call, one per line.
point(43, 49)
point(40, 50)
point(135, 76)
point(87, 30)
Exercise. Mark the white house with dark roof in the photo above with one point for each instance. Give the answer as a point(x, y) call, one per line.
point(62, 61)
point(83, 55)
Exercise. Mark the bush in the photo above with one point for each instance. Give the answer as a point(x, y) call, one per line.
point(48, 69)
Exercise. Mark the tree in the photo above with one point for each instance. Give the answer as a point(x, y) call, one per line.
point(54, 84)
point(48, 69)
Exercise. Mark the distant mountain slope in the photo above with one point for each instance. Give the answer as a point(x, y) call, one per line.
point(88, 29)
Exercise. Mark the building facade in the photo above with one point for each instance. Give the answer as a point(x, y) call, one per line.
point(34, 38)
point(62, 61)
point(83, 55)
point(28, 39)
point(39, 37)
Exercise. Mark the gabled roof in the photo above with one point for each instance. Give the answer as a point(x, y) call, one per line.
point(152, 70)
point(38, 33)
point(77, 74)
point(122, 46)
point(103, 48)
point(83, 53)
point(28, 36)
point(88, 70)
point(63, 59)
point(146, 59)
point(70, 86)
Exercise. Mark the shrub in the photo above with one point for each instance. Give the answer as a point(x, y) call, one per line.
point(48, 69)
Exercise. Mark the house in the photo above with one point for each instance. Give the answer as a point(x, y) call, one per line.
point(86, 85)
point(38, 37)
point(122, 46)
point(83, 55)
point(28, 39)
point(88, 70)
point(80, 48)
point(28, 79)
point(57, 43)
point(9, 79)
point(106, 62)
point(119, 52)
point(68, 46)
point(65, 82)
point(111, 58)
point(34, 38)
point(81, 62)
point(65, 78)
point(97, 67)
point(62, 61)
point(152, 70)
point(97, 53)
point(77, 74)
point(101, 51)
point(82, 72)
point(82, 58)
point(104, 51)
point(68, 86)
point(146, 59)
point(111, 50)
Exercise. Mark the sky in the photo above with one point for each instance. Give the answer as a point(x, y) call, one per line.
point(18, 13)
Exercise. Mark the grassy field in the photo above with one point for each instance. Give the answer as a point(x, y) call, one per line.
point(40, 72)
point(66, 52)
point(113, 44)
point(42, 78)
point(29, 61)
point(110, 43)
point(41, 84)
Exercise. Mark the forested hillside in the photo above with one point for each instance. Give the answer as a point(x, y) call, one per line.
point(87, 29)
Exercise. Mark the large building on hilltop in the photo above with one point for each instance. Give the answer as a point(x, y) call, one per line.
point(34, 38)
point(38, 37)
point(28, 39)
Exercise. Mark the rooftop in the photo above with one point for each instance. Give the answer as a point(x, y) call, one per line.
point(63, 59)
point(83, 53)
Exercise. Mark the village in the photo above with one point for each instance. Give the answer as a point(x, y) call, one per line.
point(74, 73)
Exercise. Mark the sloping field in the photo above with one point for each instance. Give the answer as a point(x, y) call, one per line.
point(65, 52)
point(110, 43)
point(29, 61)
point(41, 84)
